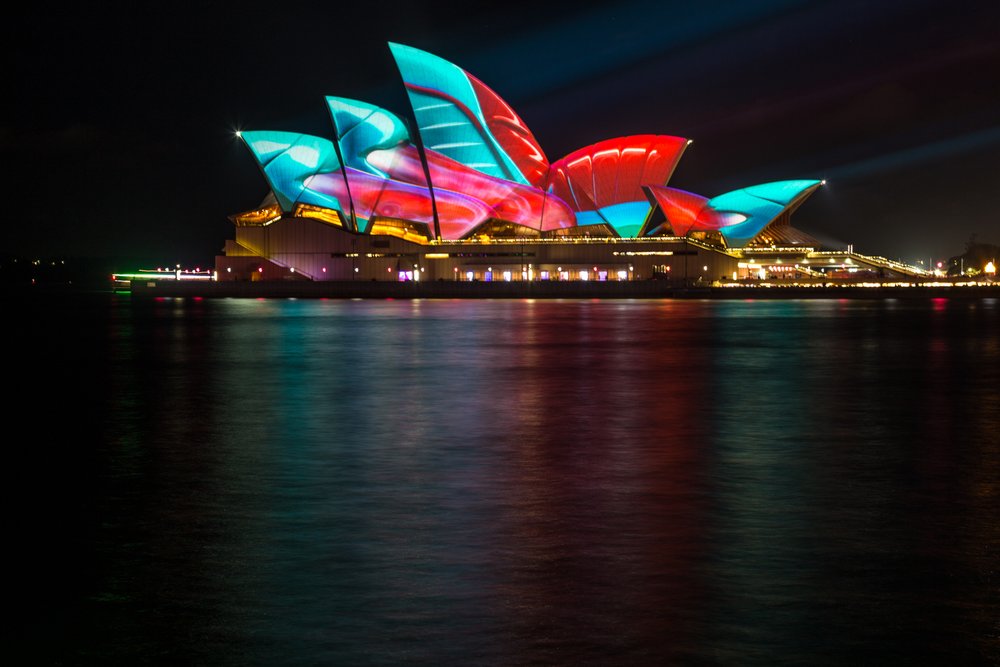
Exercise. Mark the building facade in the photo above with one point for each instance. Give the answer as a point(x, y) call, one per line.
point(471, 196)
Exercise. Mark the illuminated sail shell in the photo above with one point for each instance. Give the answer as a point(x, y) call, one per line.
point(460, 117)
point(477, 164)
point(739, 216)
point(603, 182)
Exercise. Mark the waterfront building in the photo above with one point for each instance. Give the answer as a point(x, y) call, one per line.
point(471, 196)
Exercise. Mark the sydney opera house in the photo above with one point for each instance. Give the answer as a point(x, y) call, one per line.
point(470, 195)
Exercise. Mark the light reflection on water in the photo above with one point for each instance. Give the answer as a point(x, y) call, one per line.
point(535, 482)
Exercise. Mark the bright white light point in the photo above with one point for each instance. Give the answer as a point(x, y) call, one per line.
point(823, 182)
point(239, 134)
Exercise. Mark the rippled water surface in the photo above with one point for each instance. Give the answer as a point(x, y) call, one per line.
point(271, 482)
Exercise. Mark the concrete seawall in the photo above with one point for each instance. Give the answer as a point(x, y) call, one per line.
point(650, 289)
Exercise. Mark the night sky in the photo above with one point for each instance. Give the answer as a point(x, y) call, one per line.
point(118, 123)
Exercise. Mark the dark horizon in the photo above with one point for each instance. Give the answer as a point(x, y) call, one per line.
point(123, 141)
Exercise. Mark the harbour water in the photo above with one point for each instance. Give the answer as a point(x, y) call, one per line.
point(505, 482)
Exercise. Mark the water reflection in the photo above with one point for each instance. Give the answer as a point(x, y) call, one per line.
point(533, 482)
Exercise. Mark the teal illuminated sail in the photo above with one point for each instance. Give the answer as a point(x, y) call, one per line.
point(289, 161)
point(363, 128)
point(460, 117)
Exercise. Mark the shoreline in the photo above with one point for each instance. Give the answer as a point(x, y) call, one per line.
point(543, 290)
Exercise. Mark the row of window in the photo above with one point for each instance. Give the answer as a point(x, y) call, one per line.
point(600, 275)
